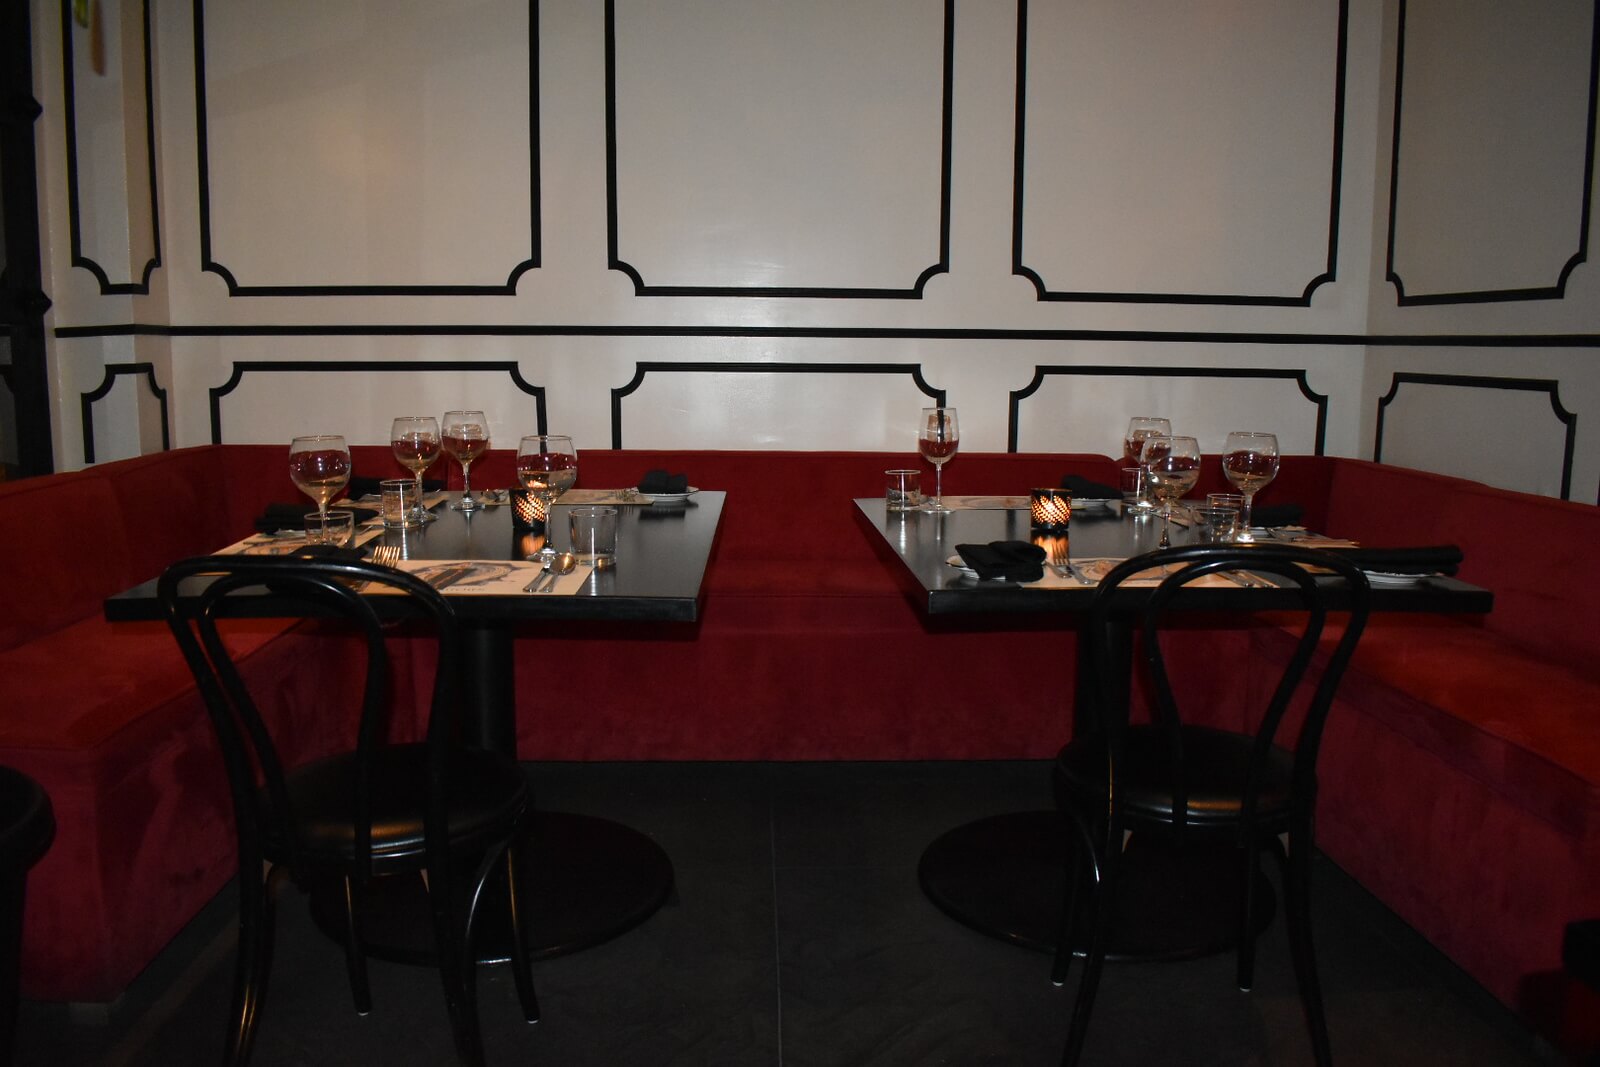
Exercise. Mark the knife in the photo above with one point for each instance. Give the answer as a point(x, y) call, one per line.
point(448, 578)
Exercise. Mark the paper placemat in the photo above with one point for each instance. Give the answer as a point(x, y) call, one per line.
point(1095, 570)
point(285, 544)
point(984, 503)
point(476, 577)
point(603, 496)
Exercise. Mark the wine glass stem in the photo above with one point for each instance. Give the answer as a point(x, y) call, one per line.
point(1166, 525)
point(466, 481)
point(938, 487)
point(1244, 520)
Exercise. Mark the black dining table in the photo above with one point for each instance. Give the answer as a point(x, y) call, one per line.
point(1005, 875)
point(582, 880)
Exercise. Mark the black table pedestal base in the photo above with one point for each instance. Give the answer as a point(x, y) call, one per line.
point(1006, 876)
point(582, 880)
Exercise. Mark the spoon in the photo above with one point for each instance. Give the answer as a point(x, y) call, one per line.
point(557, 565)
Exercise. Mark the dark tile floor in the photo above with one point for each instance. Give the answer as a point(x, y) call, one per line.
point(799, 937)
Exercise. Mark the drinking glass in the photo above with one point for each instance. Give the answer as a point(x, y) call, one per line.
point(1250, 462)
point(466, 437)
point(415, 440)
point(1140, 429)
point(319, 465)
point(937, 440)
point(1171, 467)
point(547, 466)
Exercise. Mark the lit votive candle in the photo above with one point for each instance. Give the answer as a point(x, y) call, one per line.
point(1051, 509)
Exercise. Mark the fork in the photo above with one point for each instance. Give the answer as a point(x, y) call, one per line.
point(1058, 558)
point(386, 555)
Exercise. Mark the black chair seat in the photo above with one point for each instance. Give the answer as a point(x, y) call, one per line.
point(489, 800)
point(1216, 763)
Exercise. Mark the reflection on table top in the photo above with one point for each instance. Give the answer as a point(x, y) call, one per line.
point(661, 560)
point(925, 540)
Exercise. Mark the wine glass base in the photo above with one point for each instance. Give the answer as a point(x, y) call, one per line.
point(470, 503)
point(936, 508)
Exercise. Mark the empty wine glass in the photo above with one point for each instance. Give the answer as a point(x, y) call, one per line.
point(1250, 462)
point(937, 440)
point(466, 437)
point(319, 465)
point(1140, 429)
point(415, 440)
point(547, 466)
point(1171, 467)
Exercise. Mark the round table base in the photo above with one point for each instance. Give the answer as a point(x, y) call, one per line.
point(1006, 876)
point(582, 881)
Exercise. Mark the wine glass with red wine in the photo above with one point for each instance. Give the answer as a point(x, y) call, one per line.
point(937, 441)
point(466, 437)
point(415, 440)
point(547, 466)
point(319, 465)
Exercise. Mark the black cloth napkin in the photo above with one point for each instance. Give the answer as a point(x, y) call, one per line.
point(1080, 486)
point(1428, 559)
point(657, 482)
point(284, 517)
point(1011, 561)
point(361, 485)
point(1272, 515)
point(333, 552)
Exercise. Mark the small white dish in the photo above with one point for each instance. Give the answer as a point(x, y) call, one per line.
point(1394, 580)
point(669, 498)
point(966, 571)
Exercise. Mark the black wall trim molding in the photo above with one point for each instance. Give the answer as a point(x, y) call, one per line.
point(1464, 340)
point(1018, 267)
point(641, 288)
point(113, 371)
point(209, 263)
point(1484, 296)
point(70, 115)
point(347, 366)
point(914, 370)
point(1040, 373)
point(1472, 381)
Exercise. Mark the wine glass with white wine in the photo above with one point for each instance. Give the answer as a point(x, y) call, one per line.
point(415, 441)
point(1140, 429)
point(938, 440)
point(547, 466)
point(1250, 462)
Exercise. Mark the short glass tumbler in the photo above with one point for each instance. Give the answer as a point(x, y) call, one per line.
point(337, 527)
point(594, 535)
point(904, 490)
point(399, 503)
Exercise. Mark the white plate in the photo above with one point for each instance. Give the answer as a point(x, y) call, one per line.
point(1084, 503)
point(1389, 578)
point(669, 498)
point(966, 571)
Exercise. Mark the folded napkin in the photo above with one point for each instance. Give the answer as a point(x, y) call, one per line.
point(658, 481)
point(284, 517)
point(333, 552)
point(361, 485)
point(1429, 559)
point(1271, 515)
point(1011, 561)
point(1080, 486)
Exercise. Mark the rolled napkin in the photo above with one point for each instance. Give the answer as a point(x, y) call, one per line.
point(1080, 486)
point(1429, 559)
point(1011, 561)
point(657, 482)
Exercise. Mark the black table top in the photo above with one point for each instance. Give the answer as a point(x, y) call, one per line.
point(925, 540)
point(661, 560)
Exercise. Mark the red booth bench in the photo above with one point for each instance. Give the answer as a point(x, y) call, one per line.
point(1461, 770)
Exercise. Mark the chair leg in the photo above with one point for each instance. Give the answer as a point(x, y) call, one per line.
point(1297, 912)
point(1101, 874)
point(458, 967)
point(521, 972)
point(253, 962)
point(355, 959)
point(1081, 871)
point(1250, 856)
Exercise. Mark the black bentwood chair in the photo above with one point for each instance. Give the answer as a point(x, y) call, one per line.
point(1186, 785)
point(436, 807)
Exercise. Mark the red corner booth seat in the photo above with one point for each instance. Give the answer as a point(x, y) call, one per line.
point(1461, 767)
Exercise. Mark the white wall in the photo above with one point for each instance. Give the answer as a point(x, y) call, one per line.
point(411, 196)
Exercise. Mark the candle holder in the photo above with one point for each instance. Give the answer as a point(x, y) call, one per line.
point(528, 511)
point(1051, 509)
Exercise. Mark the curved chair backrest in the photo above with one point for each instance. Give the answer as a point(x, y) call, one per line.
point(1311, 585)
point(197, 593)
